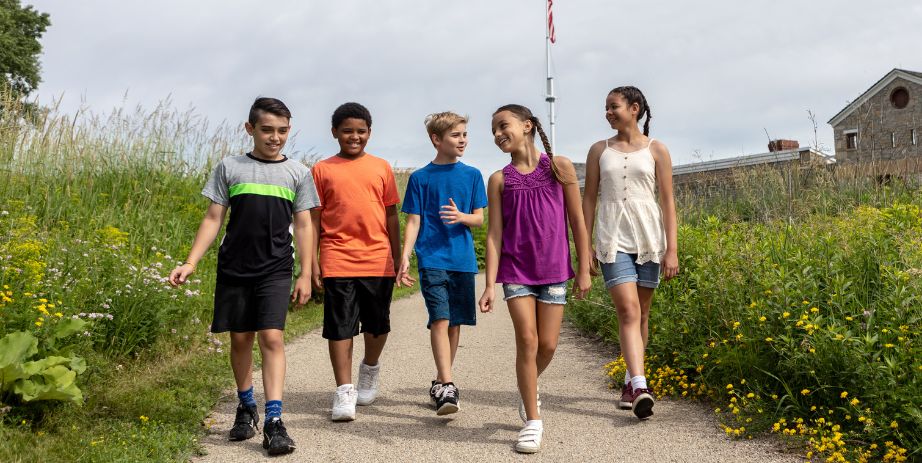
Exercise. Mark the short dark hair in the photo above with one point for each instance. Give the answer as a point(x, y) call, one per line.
point(350, 110)
point(268, 105)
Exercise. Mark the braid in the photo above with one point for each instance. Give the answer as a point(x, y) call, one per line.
point(646, 123)
point(547, 148)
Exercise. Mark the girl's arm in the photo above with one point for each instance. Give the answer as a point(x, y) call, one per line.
point(207, 232)
point(494, 238)
point(577, 225)
point(304, 241)
point(591, 195)
point(667, 204)
point(410, 233)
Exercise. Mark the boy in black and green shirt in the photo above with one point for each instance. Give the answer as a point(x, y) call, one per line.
point(266, 193)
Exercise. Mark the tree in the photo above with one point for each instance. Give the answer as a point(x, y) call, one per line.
point(20, 29)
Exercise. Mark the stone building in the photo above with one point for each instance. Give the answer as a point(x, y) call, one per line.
point(883, 126)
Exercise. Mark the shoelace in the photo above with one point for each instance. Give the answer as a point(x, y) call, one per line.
point(448, 391)
point(366, 381)
point(251, 420)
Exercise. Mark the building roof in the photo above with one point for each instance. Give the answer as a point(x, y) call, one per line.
point(750, 160)
point(912, 76)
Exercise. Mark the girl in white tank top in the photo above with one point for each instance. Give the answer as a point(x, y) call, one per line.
point(628, 202)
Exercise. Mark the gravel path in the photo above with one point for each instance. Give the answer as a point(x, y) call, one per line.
point(581, 420)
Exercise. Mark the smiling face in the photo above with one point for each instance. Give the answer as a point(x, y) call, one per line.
point(452, 143)
point(619, 113)
point(509, 132)
point(352, 135)
point(269, 135)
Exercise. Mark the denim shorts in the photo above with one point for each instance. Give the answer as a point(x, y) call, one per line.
point(449, 296)
point(552, 293)
point(625, 270)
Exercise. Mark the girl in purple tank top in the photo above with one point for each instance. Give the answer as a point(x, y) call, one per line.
point(530, 203)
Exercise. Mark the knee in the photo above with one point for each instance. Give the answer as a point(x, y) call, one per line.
point(547, 348)
point(241, 342)
point(272, 343)
point(527, 343)
point(629, 313)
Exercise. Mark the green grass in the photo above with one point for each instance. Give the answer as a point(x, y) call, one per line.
point(799, 314)
point(95, 210)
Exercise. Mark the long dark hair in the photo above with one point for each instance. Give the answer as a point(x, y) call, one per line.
point(634, 95)
point(524, 114)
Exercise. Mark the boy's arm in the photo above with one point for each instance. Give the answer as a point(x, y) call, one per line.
point(451, 215)
point(316, 272)
point(392, 221)
point(207, 232)
point(409, 241)
point(304, 242)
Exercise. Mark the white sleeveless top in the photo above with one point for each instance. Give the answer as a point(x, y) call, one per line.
point(628, 217)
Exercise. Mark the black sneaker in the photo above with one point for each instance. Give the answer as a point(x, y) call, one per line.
point(275, 438)
point(447, 402)
point(434, 391)
point(245, 424)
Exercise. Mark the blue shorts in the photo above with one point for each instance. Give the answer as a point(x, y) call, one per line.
point(625, 270)
point(552, 293)
point(449, 296)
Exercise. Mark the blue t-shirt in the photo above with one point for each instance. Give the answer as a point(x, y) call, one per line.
point(441, 246)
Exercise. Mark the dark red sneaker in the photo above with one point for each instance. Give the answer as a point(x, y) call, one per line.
point(642, 405)
point(626, 397)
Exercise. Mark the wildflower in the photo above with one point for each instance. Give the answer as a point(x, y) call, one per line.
point(889, 346)
point(849, 318)
point(786, 315)
point(769, 339)
point(730, 386)
point(736, 325)
point(762, 318)
point(844, 394)
point(854, 402)
point(143, 418)
point(804, 391)
point(814, 309)
point(750, 395)
point(894, 425)
point(806, 302)
point(774, 396)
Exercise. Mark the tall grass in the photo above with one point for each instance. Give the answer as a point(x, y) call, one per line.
point(798, 310)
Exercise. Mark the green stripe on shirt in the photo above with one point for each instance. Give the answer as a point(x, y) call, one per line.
point(263, 190)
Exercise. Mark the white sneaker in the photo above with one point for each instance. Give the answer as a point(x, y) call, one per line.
point(344, 403)
point(529, 440)
point(522, 414)
point(368, 383)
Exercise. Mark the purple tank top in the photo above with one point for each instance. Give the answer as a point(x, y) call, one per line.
point(535, 248)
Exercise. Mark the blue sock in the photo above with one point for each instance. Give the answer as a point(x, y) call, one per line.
point(273, 409)
point(246, 397)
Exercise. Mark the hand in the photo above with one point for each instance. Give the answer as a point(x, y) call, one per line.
point(180, 274)
point(581, 285)
point(595, 267)
point(450, 214)
point(670, 265)
point(317, 280)
point(403, 275)
point(302, 291)
point(486, 301)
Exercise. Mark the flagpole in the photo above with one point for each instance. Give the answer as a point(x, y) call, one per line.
point(549, 96)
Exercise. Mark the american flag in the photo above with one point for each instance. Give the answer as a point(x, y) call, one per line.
point(550, 22)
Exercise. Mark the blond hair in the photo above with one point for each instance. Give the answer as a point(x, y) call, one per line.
point(440, 123)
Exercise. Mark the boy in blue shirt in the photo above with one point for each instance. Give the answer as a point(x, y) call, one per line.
point(443, 201)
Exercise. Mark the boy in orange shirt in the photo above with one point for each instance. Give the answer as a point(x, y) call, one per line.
point(359, 233)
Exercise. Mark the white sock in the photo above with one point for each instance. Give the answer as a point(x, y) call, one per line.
point(535, 423)
point(639, 382)
point(345, 388)
point(627, 378)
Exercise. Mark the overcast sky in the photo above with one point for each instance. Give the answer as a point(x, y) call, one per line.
point(717, 74)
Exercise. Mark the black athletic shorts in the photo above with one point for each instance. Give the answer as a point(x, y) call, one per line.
point(242, 306)
point(348, 301)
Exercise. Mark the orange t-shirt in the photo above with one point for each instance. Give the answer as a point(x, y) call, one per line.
point(353, 232)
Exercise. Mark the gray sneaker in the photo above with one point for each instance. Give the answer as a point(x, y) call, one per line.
point(368, 383)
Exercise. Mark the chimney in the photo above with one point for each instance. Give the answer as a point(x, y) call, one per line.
point(782, 145)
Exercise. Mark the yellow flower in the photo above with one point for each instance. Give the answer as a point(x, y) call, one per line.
point(58, 314)
point(762, 318)
point(143, 418)
point(894, 425)
point(814, 309)
point(786, 315)
point(730, 386)
point(806, 302)
point(805, 391)
point(736, 325)
point(844, 394)
point(38, 322)
point(888, 345)
point(854, 402)
point(769, 339)
point(750, 395)
point(849, 318)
